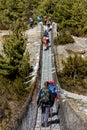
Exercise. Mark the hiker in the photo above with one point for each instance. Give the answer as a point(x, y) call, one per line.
point(49, 25)
point(40, 18)
point(31, 22)
point(44, 100)
point(45, 40)
point(45, 19)
point(45, 33)
point(54, 94)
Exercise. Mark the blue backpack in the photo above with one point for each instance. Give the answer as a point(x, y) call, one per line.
point(53, 89)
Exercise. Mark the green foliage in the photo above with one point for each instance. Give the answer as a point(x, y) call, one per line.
point(75, 67)
point(73, 85)
point(13, 62)
point(19, 88)
point(5, 87)
point(6, 105)
point(70, 14)
point(12, 10)
point(25, 65)
point(31, 8)
point(12, 90)
point(74, 75)
point(46, 7)
point(63, 39)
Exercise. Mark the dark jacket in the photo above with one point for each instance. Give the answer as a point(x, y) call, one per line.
point(45, 33)
point(40, 103)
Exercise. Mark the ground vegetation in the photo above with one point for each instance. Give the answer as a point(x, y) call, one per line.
point(73, 77)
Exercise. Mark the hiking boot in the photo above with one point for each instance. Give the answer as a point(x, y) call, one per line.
point(45, 49)
point(43, 124)
point(50, 115)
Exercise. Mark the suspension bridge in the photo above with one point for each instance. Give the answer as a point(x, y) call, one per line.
point(32, 118)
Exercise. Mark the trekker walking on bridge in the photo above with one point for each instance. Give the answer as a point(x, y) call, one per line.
point(45, 39)
point(44, 100)
point(40, 18)
point(31, 22)
point(44, 19)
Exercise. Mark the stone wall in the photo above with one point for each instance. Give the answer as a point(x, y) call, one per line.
point(69, 119)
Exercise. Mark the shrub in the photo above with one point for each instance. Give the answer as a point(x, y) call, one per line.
point(63, 39)
point(74, 75)
point(6, 105)
point(19, 88)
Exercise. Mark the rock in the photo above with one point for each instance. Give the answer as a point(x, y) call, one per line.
point(74, 49)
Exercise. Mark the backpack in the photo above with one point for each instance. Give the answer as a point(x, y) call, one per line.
point(53, 89)
point(45, 96)
point(45, 33)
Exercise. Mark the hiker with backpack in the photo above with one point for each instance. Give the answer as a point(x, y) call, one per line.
point(44, 19)
point(49, 27)
point(44, 101)
point(54, 94)
point(31, 22)
point(45, 39)
point(40, 18)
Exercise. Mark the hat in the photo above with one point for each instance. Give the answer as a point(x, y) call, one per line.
point(51, 81)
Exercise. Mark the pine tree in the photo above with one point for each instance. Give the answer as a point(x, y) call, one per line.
point(13, 54)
